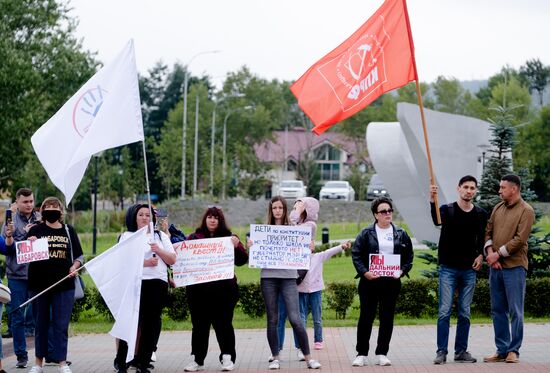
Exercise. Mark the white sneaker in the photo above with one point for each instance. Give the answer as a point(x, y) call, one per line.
point(36, 369)
point(227, 364)
point(193, 367)
point(300, 355)
point(153, 357)
point(64, 369)
point(359, 361)
point(383, 361)
point(274, 365)
point(313, 364)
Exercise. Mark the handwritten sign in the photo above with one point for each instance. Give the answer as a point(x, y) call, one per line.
point(205, 260)
point(279, 246)
point(32, 251)
point(385, 265)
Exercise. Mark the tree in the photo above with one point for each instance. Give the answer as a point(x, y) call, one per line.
point(499, 164)
point(537, 75)
point(43, 64)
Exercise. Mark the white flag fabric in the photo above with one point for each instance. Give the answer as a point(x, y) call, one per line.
point(103, 114)
point(117, 275)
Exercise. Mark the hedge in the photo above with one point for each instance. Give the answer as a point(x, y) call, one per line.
point(418, 298)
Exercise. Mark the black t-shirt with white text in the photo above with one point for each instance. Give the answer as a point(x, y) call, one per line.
point(45, 273)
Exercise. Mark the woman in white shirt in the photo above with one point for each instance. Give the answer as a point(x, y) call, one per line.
point(377, 292)
point(154, 288)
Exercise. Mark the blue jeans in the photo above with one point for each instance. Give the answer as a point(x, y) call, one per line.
point(19, 295)
point(451, 279)
point(507, 301)
point(60, 304)
point(312, 302)
point(271, 288)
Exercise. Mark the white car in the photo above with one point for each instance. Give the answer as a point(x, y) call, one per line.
point(337, 190)
point(292, 189)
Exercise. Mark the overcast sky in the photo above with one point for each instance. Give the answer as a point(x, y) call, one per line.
point(466, 39)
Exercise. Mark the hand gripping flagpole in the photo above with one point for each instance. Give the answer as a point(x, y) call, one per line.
point(423, 117)
point(47, 289)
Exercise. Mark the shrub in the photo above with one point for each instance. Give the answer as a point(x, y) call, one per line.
point(81, 305)
point(96, 300)
point(481, 303)
point(417, 298)
point(537, 294)
point(251, 300)
point(177, 307)
point(340, 296)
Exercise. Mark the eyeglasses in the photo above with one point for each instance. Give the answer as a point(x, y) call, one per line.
point(215, 207)
point(385, 212)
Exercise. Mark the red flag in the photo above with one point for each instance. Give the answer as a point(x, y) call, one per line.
point(377, 58)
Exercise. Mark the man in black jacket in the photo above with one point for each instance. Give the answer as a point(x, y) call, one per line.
point(460, 256)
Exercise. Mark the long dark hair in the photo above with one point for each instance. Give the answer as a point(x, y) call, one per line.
point(131, 216)
point(222, 230)
point(270, 217)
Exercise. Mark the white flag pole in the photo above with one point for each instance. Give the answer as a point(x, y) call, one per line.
point(147, 186)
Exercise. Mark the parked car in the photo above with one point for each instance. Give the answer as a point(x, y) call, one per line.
point(376, 188)
point(337, 190)
point(292, 189)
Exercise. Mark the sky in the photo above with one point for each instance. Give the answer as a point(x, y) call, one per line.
point(464, 39)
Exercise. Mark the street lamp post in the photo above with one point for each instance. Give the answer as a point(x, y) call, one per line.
point(212, 143)
point(184, 140)
point(196, 149)
point(224, 162)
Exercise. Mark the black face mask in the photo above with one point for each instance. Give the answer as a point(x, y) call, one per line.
point(51, 216)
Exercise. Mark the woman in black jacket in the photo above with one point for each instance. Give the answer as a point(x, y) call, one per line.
point(213, 303)
point(382, 237)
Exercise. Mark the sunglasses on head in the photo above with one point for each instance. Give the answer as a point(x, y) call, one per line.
point(215, 207)
point(388, 211)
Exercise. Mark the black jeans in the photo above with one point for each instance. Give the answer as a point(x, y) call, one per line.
point(212, 304)
point(152, 301)
point(286, 287)
point(381, 293)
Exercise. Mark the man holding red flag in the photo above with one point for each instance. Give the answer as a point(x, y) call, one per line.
point(377, 58)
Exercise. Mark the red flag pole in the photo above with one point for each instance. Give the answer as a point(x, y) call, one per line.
point(423, 117)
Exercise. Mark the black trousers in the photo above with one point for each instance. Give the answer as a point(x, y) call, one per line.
point(152, 301)
point(376, 294)
point(212, 304)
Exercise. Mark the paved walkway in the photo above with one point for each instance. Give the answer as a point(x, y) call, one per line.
point(412, 350)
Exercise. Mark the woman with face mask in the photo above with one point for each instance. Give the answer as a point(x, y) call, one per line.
point(65, 258)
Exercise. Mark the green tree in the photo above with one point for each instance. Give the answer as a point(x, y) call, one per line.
point(510, 93)
point(43, 64)
point(537, 75)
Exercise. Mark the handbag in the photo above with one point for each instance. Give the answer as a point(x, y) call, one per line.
point(78, 283)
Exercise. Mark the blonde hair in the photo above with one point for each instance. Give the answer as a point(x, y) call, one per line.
point(52, 202)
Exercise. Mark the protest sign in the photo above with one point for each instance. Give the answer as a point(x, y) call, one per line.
point(32, 251)
point(279, 246)
point(385, 265)
point(205, 260)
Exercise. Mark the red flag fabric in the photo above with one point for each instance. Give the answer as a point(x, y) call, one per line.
point(377, 58)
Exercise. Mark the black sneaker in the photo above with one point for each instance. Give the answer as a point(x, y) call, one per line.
point(440, 358)
point(464, 357)
point(7, 335)
point(21, 362)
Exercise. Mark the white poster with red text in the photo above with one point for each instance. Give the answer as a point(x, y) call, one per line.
point(32, 251)
point(205, 260)
point(385, 265)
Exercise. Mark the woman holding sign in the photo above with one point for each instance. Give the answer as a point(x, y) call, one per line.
point(213, 303)
point(63, 244)
point(282, 282)
point(379, 285)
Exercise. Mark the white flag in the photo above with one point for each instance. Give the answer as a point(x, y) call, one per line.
point(117, 276)
point(103, 114)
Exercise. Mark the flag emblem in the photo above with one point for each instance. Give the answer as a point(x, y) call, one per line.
point(86, 108)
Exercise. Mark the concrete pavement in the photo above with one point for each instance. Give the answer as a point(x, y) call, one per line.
point(412, 350)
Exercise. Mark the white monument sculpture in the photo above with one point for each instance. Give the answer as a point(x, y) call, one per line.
point(398, 154)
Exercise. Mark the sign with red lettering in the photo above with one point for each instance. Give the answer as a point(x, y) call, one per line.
point(32, 251)
point(206, 260)
point(385, 265)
